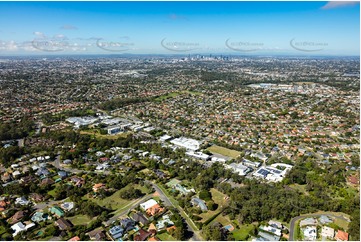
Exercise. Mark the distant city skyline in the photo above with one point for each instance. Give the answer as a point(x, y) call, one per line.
point(235, 28)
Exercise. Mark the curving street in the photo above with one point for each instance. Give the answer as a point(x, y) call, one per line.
point(295, 219)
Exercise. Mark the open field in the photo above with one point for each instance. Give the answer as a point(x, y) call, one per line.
point(105, 136)
point(165, 237)
point(166, 96)
point(218, 198)
point(79, 219)
point(224, 151)
point(243, 232)
point(224, 220)
point(174, 94)
point(341, 223)
point(115, 201)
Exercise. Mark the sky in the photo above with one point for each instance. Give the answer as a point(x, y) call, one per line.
point(240, 28)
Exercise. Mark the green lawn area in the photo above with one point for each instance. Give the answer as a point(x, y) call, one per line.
point(218, 198)
point(52, 192)
point(2, 230)
point(79, 219)
point(166, 96)
point(174, 94)
point(243, 232)
point(224, 151)
point(105, 136)
point(341, 223)
point(115, 201)
point(300, 188)
point(224, 220)
point(165, 237)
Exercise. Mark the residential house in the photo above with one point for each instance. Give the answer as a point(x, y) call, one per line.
point(140, 218)
point(152, 228)
point(341, 236)
point(62, 174)
point(19, 227)
point(128, 224)
point(148, 204)
point(308, 221)
point(310, 233)
point(77, 181)
point(142, 235)
point(63, 224)
point(154, 210)
point(97, 187)
point(39, 217)
point(58, 212)
point(96, 234)
point(16, 217)
point(200, 203)
point(164, 223)
point(263, 236)
point(27, 179)
point(116, 232)
point(6, 177)
point(171, 228)
point(22, 201)
point(324, 219)
point(47, 181)
point(42, 172)
point(327, 232)
point(271, 230)
point(16, 174)
point(3, 204)
point(67, 206)
point(35, 197)
point(76, 238)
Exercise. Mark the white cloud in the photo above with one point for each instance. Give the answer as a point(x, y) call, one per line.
point(39, 34)
point(339, 4)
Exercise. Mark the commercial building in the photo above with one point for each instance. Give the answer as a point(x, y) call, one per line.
point(189, 144)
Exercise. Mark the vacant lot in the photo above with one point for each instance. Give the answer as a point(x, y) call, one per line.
point(165, 237)
point(224, 151)
point(79, 219)
point(105, 136)
point(115, 201)
point(218, 198)
point(243, 232)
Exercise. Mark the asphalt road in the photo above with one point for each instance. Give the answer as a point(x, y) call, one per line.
point(294, 220)
point(46, 204)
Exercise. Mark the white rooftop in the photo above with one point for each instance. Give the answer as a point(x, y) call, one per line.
point(148, 204)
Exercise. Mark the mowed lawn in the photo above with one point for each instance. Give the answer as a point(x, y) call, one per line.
point(218, 198)
point(243, 232)
point(105, 136)
point(166, 96)
point(224, 151)
point(79, 219)
point(115, 201)
point(165, 237)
